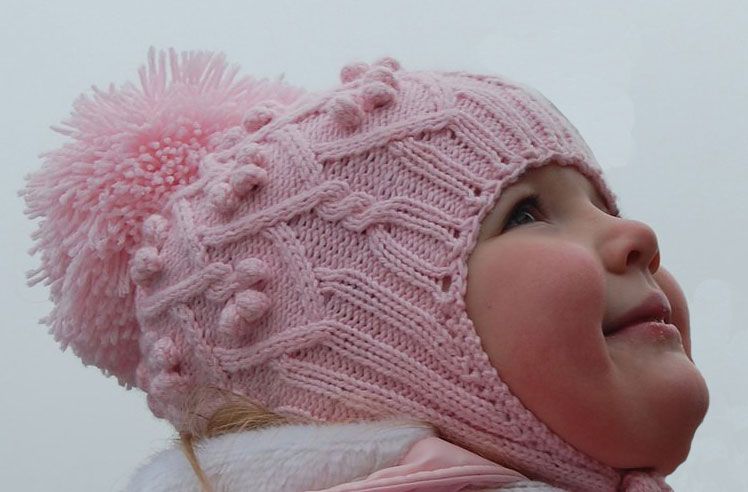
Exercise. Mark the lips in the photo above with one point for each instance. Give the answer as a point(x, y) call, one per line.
point(655, 307)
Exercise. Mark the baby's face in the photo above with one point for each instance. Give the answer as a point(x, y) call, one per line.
point(547, 281)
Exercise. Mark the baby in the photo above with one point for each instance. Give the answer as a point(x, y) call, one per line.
point(564, 337)
point(411, 281)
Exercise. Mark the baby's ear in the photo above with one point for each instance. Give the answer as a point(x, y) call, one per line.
point(678, 304)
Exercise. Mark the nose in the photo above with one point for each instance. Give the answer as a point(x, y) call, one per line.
point(629, 244)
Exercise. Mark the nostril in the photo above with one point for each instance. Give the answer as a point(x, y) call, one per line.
point(633, 258)
point(643, 249)
point(655, 263)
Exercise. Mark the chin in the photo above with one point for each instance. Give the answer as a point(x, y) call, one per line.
point(659, 438)
point(678, 413)
point(663, 457)
point(669, 463)
point(671, 448)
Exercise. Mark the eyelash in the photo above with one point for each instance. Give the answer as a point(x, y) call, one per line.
point(531, 201)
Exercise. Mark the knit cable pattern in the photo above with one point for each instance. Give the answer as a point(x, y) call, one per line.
point(317, 262)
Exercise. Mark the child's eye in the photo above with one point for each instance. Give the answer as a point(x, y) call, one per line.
point(525, 211)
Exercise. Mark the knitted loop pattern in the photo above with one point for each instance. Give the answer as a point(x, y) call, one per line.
point(133, 149)
point(316, 262)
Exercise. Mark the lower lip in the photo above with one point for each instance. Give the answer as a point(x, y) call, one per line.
point(653, 331)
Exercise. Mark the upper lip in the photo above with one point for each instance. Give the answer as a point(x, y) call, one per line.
point(654, 307)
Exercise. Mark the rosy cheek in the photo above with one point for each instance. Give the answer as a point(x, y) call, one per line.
point(543, 299)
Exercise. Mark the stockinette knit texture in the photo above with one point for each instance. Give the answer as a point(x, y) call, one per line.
point(306, 250)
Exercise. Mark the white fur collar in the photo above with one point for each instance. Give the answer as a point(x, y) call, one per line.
point(293, 457)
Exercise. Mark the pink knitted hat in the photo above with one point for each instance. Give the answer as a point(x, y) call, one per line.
point(306, 250)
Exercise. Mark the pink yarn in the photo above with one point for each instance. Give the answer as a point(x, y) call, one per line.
point(346, 112)
point(309, 253)
point(132, 148)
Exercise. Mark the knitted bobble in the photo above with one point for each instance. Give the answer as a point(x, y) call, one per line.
point(223, 198)
point(245, 178)
point(252, 271)
point(229, 322)
point(388, 62)
point(132, 148)
point(223, 156)
point(376, 94)
point(247, 273)
point(164, 354)
point(154, 230)
point(251, 305)
point(353, 71)
point(251, 154)
point(219, 292)
point(223, 141)
point(165, 384)
point(381, 74)
point(346, 112)
point(145, 265)
point(246, 307)
point(260, 115)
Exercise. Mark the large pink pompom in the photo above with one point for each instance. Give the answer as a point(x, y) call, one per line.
point(132, 148)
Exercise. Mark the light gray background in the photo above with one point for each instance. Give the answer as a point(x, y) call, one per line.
point(658, 89)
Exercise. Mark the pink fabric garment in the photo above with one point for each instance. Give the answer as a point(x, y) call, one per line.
point(308, 253)
point(435, 465)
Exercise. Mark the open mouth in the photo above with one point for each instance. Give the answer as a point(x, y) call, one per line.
point(654, 309)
